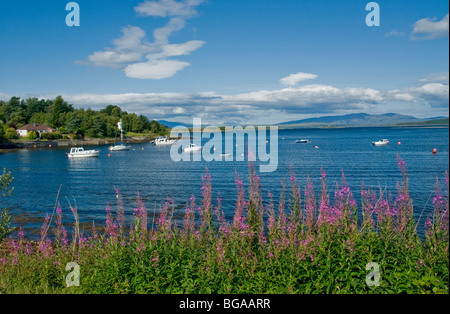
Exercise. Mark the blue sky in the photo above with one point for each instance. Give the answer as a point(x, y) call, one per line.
point(230, 62)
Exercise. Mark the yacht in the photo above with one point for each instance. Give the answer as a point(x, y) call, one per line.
point(121, 145)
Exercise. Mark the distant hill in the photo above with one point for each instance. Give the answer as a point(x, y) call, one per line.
point(357, 119)
point(171, 124)
point(430, 122)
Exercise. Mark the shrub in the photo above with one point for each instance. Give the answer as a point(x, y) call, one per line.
point(51, 136)
point(5, 217)
point(11, 134)
point(32, 135)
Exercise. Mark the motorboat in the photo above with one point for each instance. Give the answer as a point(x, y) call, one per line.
point(192, 148)
point(121, 146)
point(79, 152)
point(161, 141)
point(302, 141)
point(381, 142)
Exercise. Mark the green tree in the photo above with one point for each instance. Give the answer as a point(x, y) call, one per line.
point(40, 118)
point(5, 218)
point(18, 117)
point(10, 107)
point(145, 122)
point(136, 124)
point(11, 133)
point(56, 111)
point(59, 108)
point(34, 106)
point(116, 112)
point(98, 128)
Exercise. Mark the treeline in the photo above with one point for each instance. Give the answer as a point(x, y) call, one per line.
point(74, 123)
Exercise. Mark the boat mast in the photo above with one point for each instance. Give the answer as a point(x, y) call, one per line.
point(121, 130)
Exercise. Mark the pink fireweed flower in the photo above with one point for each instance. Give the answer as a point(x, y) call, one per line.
point(21, 234)
point(44, 227)
point(28, 251)
point(323, 173)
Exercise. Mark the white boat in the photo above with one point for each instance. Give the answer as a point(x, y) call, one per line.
point(161, 141)
point(225, 155)
point(192, 148)
point(79, 152)
point(302, 141)
point(381, 142)
point(121, 146)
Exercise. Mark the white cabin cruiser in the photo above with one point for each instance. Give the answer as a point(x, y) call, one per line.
point(381, 142)
point(79, 152)
point(192, 148)
point(161, 141)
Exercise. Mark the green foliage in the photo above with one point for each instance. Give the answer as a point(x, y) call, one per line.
point(11, 133)
point(5, 218)
point(51, 136)
point(76, 122)
point(32, 135)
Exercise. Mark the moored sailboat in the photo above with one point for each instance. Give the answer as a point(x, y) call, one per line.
point(120, 146)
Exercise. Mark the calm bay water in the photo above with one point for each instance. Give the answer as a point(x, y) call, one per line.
point(149, 170)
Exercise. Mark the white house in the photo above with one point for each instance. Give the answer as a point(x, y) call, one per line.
point(38, 128)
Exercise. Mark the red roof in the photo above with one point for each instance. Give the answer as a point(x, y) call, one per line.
point(36, 127)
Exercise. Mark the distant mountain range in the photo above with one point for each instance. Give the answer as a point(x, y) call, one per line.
point(362, 119)
point(349, 120)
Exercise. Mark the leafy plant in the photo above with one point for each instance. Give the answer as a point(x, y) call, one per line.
point(5, 218)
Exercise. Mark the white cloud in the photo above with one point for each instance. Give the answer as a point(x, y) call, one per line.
point(172, 50)
point(156, 70)
point(294, 79)
point(430, 28)
point(442, 77)
point(395, 33)
point(130, 49)
point(435, 94)
point(265, 105)
point(179, 110)
point(252, 106)
point(131, 39)
point(165, 8)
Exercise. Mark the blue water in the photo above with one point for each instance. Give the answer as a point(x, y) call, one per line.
point(149, 170)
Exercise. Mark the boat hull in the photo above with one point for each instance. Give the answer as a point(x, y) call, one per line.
point(379, 144)
point(85, 155)
point(119, 148)
point(188, 150)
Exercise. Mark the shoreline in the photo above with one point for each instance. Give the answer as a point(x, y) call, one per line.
point(13, 146)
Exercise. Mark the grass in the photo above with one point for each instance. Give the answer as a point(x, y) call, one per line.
point(302, 245)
